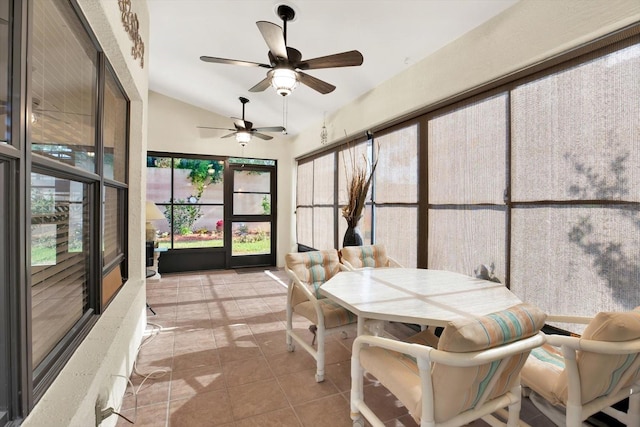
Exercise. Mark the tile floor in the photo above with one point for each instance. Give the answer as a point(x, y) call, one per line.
point(215, 355)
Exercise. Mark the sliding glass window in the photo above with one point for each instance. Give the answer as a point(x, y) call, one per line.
point(59, 259)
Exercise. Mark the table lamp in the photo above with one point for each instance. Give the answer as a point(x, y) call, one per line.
point(152, 213)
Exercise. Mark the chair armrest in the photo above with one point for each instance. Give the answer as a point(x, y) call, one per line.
point(448, 358)
point(415, 350)
point(346, 265)
point(394, 263)
point(295, 281)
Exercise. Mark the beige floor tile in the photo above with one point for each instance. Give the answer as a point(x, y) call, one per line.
point(203, 410)
point(332, 411)
point(289, 362)
point(301, 387)
point(281, 418)
point(148, 416)
point(147, 391)
point(256, 398)
point(190, 382)
point(239, 372)
point(195, 359)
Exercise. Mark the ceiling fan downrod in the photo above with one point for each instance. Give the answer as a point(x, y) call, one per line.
point(286, 13)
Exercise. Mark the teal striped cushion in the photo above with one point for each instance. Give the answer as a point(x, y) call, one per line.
point(492, 330)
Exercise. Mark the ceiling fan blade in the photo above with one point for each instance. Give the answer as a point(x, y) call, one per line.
point(233, 62)
point(315, 84)
point(264, 84)
point(345, 59)
point(261, 135)
point(270, 129)
point(209, 127)
point(274, 37)
point(228, 135)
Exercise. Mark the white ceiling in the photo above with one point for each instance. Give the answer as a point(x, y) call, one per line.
point(391, 35)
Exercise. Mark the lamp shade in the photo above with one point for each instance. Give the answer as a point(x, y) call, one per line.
point(243, 137)
point(152, 212)
point(284, 80)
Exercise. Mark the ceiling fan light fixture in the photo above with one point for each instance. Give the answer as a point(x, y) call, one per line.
point(243, 138)
point(284, 80)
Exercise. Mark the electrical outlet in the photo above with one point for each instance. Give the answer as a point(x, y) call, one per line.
point(101, 405)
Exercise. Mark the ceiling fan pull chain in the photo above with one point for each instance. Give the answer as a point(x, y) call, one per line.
point(284, 112)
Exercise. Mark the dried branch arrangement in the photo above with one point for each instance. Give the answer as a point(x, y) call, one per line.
point(359, 175)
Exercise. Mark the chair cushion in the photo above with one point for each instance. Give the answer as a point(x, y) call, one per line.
point(374, 256)
point(334, 314)
point(601, 373)
point(313, 268)
point(458, 389)
point(398, 373)
point(492, 330)
point(542, 371)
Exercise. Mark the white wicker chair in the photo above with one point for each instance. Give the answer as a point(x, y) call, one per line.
point(308, 271)
point(571, 378)
point(473, 373)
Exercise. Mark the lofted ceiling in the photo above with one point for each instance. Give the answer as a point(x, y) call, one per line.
point(392, 35)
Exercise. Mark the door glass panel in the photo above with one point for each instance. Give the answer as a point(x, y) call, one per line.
point(251, 192)
point(251, 181)
point(251, 204)
point(251, 238)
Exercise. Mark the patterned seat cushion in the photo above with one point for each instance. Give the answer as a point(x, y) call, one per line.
point(601, 373)
point(312, 268)
point(374, 256)
point(334, 314)
point(542, 371)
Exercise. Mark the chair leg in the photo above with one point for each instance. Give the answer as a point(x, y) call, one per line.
point(290, 346)
point(357, 386)
point(633, 412)
point(320, 354)
point(514, 408)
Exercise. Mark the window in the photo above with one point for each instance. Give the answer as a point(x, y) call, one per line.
point(5, 90)
point(467, 182)
point(535, 179)
point(58, 190)
point(63, 84)
point(393, 194)
point(59, 260)
point(575, 192)
point(190, 193)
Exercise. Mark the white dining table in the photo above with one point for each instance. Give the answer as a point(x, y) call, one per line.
point(419, 296)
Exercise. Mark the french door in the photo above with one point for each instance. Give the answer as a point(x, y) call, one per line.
point(250, 225)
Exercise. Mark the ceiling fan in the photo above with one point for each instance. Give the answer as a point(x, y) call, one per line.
point(285, 63)
point(244, 129)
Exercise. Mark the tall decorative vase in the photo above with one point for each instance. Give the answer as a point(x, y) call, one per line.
point(352, 237)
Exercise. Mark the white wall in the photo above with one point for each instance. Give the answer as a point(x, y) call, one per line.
point(173, 128)
point(525, 34)
point(111, 346)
